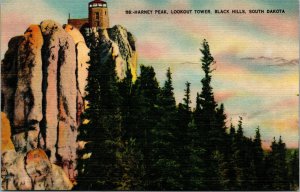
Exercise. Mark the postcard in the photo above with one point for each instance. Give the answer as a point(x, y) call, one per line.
point(150, 95)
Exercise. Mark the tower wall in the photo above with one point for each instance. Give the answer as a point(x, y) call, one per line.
point(98, 17)
point(78, 23)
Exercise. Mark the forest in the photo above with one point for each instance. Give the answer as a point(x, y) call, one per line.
point(139, 138)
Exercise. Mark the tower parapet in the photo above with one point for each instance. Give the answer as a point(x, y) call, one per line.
point(98, 16)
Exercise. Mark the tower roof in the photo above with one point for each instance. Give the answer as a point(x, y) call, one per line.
point(97, 1)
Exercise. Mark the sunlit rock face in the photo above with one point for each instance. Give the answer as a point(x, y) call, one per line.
point(124, 51)
point(6, 143)
point(82, 55)
point(118, 44)
point(82, 52)
point(43, 78)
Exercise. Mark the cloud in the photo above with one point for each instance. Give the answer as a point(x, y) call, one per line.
point(272, 61)
point(18, 15)
point(254, 87)
point(221, 96)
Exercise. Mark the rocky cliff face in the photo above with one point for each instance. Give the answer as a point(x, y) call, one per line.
point(43, 78)
point(127, 56)
point(44, 75)
point(120, 44)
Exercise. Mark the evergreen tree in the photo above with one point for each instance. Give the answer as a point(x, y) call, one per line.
point(194, 167)
point(86, 131)
point(269, 167)
point(232, 132)
point(132, 159)
point(132, 167)
point(187, 97)
point(127, 93)
point(277, 167)
point(103, 131)
point(280, 166)
point(239, 148)
point(184, 118)
point(210, 122)
point(250, 174)
point(243, 154)
point(294, 171)
point(197, 117)
point(218, 135)
point(258, 159)
point(138, 139)
point(164, 175)
point(206, 104)
point(145, 115)
point(231, 174)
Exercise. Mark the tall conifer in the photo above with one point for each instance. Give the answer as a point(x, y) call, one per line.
point(164, 161)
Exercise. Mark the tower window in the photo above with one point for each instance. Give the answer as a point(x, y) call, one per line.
point(98, 23)
point(97, 15)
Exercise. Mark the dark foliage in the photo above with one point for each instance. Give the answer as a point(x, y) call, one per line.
point(139, 139)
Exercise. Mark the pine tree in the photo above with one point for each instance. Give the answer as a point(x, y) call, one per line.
point(87, 130)
point(197, 113)
point(250, 174)
point(210, 122)
point(132, 159)
point(280, 167)
point(132, 167)
point(243, 158)
point(258, 157)
point(219, 138)
point(164, 167)
point(126, 92)
point(269, 166)
point(145, 115)
point(231, 174)
point(187, 96)
point(277, 171)
point(103, 130)
point(294, 171)
point(188, 146)
point(184, 117)
point(240, 156)
point(194, 165)
point(206, 104)
point(222, 154)
point(137, 139)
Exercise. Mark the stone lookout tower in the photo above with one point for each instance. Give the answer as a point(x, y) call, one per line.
point(98, 16)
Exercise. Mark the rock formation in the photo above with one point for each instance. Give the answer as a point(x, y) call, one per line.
point(44, 75)
point(41, 92)
point(127, 57)
point(120, 44)
point(32, 170)
point(6, 143)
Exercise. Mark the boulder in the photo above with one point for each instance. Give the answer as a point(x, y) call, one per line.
point(32, 171)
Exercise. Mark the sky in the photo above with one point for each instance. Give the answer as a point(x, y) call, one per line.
point(256, 72)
